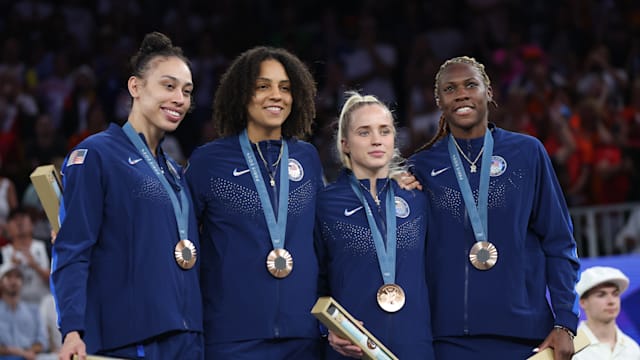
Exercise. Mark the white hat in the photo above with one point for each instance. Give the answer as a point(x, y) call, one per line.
point(9, 266)
point(597, 275)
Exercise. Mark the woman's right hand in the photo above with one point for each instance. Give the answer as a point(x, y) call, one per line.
point(344, 347)
point(73, 345)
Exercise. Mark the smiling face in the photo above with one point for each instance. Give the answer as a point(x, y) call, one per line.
point(369, 141)
point(463, 98)
point(271, 102)
point(162, 97)
point(602, 303)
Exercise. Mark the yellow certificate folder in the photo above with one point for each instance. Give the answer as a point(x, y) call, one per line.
point(47, 184)
point(338, 320)
point(580, 342)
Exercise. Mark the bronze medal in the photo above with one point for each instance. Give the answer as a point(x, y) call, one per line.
point(185, 254)
point(279, 263)
point(483, 255)
point(390, 297)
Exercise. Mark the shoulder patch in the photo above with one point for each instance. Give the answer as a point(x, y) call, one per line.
point(77, 157)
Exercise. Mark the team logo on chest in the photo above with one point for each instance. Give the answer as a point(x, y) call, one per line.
point(402, 208)
point(498, 165)
point(296, 172)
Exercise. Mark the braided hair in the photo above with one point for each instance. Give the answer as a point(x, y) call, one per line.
point(443, 127)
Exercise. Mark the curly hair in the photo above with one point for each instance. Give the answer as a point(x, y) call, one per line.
point(237, 87)
point(443, 128)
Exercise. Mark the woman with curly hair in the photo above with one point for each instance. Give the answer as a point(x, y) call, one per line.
point(254, 192)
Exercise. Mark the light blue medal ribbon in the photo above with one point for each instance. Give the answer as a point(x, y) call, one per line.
point(185, 250)
point(477, 214)
point(277, 228)
point(390, 296)
point(386, 255)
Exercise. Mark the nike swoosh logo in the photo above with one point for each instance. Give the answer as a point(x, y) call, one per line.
point(435, 172)
point(351, 212)
point(241, 172)
point(133, 162)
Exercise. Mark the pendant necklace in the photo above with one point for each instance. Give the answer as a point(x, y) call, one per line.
point(272, 180)
point(376, 197)
point(472, 164)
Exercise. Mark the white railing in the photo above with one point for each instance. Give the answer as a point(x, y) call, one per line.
point(595, 227)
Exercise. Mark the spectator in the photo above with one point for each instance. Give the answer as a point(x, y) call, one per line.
point(599, 289)
point(21, 331)
point(29, 254)
point(8, 202)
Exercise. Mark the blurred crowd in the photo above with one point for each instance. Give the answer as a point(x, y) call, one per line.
point(564, 71)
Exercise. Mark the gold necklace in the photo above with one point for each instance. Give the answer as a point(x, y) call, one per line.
point(272, 180)
point(376, 197)
point(472, 164)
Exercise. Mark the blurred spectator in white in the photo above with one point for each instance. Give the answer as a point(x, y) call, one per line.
point(599, 290)
point(8, 202)
point(29, 254)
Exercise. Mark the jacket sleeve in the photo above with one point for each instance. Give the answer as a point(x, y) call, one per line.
point(552, 222)
point(81, 212)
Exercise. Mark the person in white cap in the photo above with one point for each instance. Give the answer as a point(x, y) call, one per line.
point(599, 289)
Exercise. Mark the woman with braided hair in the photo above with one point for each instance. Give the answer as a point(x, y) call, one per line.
point(500, 233)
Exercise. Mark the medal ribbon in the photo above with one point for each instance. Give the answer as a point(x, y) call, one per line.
point(477, 214)
point(181, 212)
point(386, 256)
point(277, 229)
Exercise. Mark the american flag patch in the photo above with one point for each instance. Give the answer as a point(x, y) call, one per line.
point(77, 157)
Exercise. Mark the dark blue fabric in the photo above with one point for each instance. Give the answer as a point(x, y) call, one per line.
point(273, 349)
point(349, 264)
point(114, 276)
point(242, 300)
point(484, 347)
point(528, 222)
point(171, 346)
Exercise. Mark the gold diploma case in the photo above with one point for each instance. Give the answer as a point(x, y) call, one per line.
point(339, 321)
point(580, 342)
point(47, 184)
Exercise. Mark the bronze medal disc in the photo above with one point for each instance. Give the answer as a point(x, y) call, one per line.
point(483, 255)
point(185, 254)
point(279, 263)
point(390, 297)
